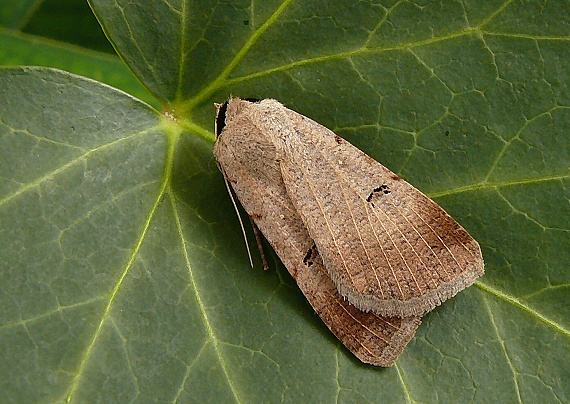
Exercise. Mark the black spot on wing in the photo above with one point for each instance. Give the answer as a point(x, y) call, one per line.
point(310, 256)
point(377, 192)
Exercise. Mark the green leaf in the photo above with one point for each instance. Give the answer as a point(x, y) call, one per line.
point(15, 13)
point(20, 49)
point(124, 276)
point(68, 20)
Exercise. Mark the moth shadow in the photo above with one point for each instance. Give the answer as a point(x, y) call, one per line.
point(292, 297)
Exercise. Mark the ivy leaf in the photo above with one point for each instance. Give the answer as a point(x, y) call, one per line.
point(124, 276)
point(15, 13)
point(21, 49)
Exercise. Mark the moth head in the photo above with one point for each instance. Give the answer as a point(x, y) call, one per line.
point(228, 110)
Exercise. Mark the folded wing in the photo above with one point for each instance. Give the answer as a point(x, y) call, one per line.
point(387, 247)
point(254, 173)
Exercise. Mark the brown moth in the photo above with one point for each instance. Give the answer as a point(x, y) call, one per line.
point(344, 226)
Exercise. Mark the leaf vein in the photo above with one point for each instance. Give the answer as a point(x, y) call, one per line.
point(517, 303)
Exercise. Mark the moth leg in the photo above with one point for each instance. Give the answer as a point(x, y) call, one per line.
point(257, 234)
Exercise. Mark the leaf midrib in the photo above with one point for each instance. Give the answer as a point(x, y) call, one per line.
point(166, 180)
point(194, 286)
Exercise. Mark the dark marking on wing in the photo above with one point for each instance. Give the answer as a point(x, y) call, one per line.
point(310, 256)
point(221, 119)
point(378, 191)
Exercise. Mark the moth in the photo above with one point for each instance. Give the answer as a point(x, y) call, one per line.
point(370, 252)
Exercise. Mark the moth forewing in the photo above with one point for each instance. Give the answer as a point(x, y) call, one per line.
point(250, 162)
point(388, 247)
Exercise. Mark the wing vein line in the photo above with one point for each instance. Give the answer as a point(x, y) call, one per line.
point(422, 237)
point(340, 175)
point(447, 274)
point(359, 322)
point(441, 240)
point(375, 235)
point(324, 216)
point(374, 270)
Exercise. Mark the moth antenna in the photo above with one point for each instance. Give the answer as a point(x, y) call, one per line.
point(257, 234)
point(240, 221)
